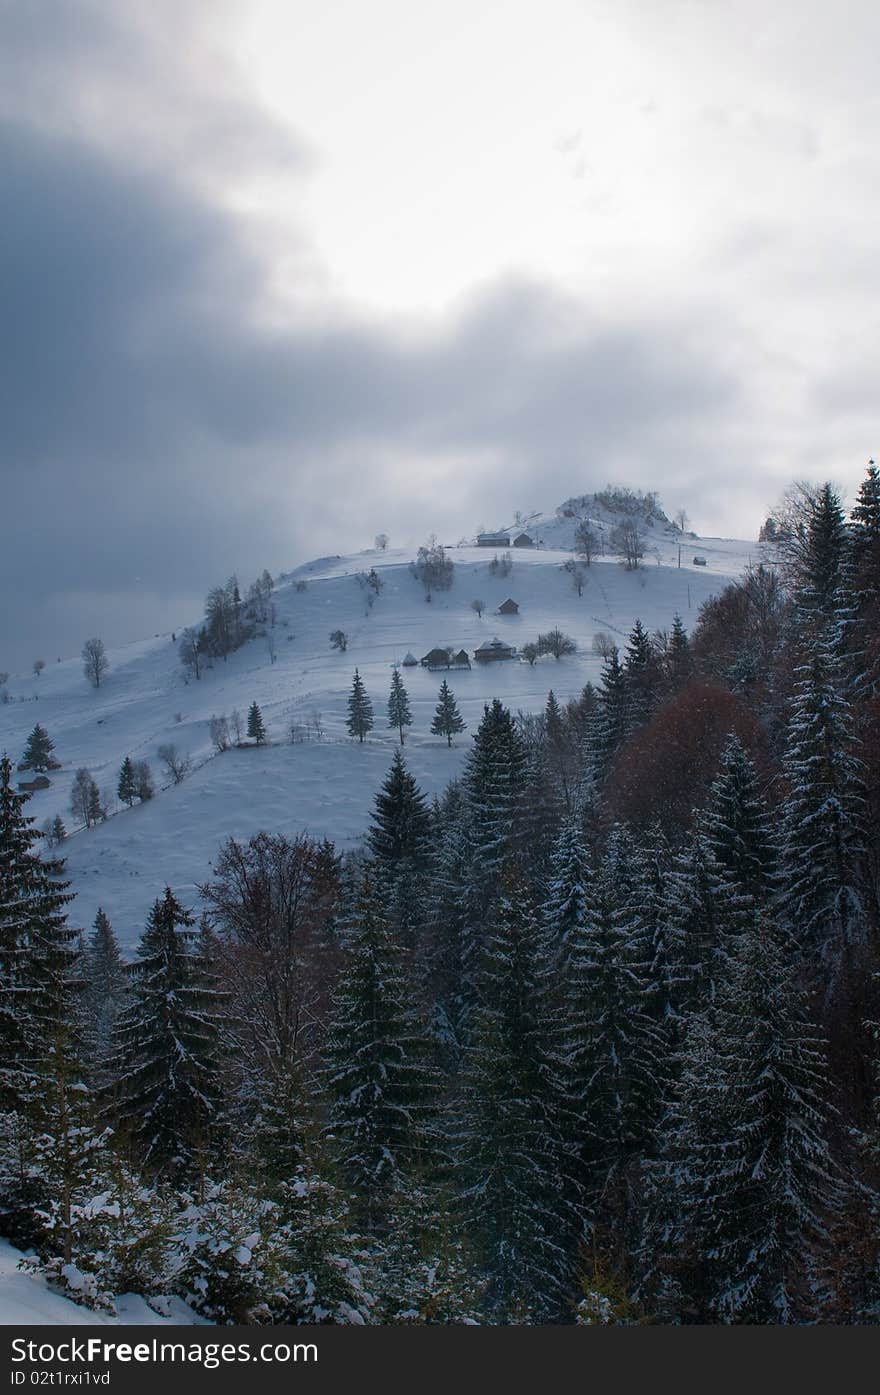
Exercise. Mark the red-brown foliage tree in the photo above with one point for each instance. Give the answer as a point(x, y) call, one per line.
point(665, 769)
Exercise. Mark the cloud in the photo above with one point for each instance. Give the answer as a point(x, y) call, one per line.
point(169, 418)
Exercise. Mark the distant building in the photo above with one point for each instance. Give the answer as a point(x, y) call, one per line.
point(445, 658)
point(410, 661)
point(523, 540)
point(699, 561)
point(493, 540)
point(493, 649)
point(508, 607)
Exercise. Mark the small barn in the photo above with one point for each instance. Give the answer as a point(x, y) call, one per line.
point(410, 661)
point(523, 540)
point(493, 649)
point(437, 658)
point(508, 607)
point(493, 540)
point(699, 561)
point(445, 658)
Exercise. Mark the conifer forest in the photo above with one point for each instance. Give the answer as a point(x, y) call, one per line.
point(592, 1037)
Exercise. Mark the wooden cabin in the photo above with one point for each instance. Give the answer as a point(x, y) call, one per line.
point(493, 649)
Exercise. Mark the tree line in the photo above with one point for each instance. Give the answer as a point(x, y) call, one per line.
point(573, 1042)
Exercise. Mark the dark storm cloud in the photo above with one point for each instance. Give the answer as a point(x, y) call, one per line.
point(156, 433)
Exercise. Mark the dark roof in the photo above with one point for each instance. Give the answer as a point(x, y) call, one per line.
point(508, 607)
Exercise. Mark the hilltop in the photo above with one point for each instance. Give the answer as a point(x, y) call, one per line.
point(324, 783)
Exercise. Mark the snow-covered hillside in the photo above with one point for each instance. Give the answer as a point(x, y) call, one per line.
point(325, 787)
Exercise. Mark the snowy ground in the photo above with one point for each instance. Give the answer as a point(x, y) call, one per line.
point(25, 1299)
point(324, 787)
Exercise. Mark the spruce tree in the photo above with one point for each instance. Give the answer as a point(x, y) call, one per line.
point(737, 825)
point(38, 750)
point(381, 1086)
point(169, 1042)
point(360, 709)
point(824, 815)
point(255, 727)
point(127, 786)
point(447, 718)
point(821, 554)
point(641, 678)
point(568, 889)
point(401, 823)
point(399, 839)
point(493, 786)
point(399, 714)
point(615, 1047)
point(703, 915)
point(679, 660)
point(746, 1165)
point(609, 725)
point(519, 1197)
point(37, 954)
point(103, 995)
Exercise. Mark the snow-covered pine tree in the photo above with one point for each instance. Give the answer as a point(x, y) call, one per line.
point(167, 1091)
point(824, 815)
point(747, 1167)
point(102, 998)
point(399, 713)
point(679, 660)
point(559, 760)
point(126, 789)
point(401, 822)
point(615, 1048)
point(642, 677)
point(493, 789)
point(399, 838)
point(38, 750)
point(703, 915)
point(58, 830)
point(519, 1196)
point(568, 889)
point(863, 575)
point(447, 718)
point(37, 953)
point(737, 825)
point(256, 729)
point(609, 725)
point(820, 554)
point(381, 1084)
point(360, 709)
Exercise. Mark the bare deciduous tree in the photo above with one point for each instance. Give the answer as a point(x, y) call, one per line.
point(382, 540)
point(219, 731)
point(586, 542)
point(556, 643)
point(176, 762)
point(95, 662)
point(628, 541)
point(191, 652)
point(479, 607)
point(39, 665)
point(603, 644)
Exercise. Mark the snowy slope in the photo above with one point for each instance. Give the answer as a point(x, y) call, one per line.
point(25, 1299)
point(326, 788)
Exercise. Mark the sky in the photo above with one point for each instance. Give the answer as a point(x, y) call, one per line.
point(277, 276)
